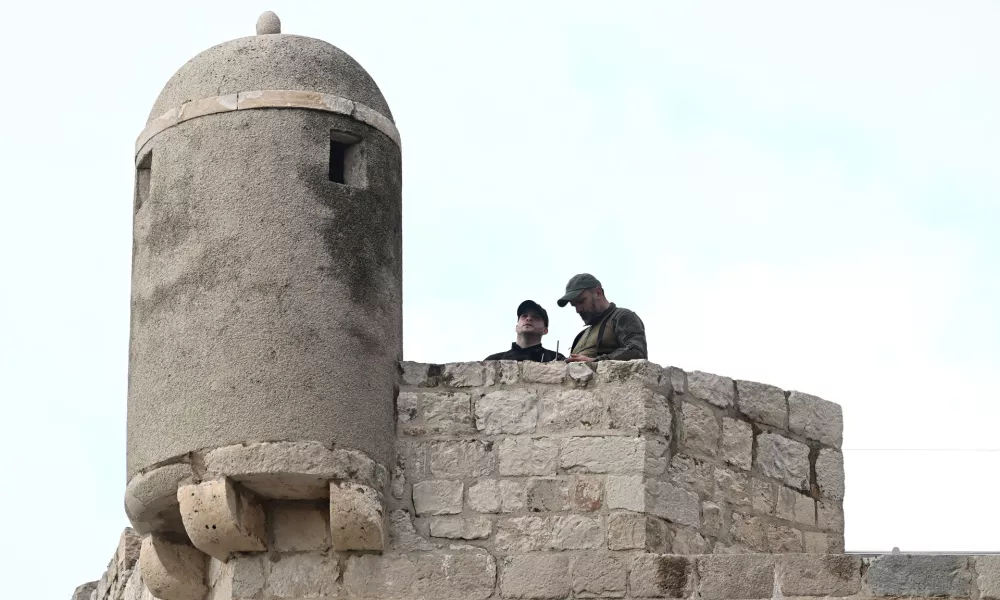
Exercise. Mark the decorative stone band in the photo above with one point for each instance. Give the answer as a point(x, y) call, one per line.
point(267, 99)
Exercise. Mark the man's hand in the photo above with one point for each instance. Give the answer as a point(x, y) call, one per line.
point(579, 358)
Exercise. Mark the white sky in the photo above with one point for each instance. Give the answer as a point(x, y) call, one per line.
point(797, 195)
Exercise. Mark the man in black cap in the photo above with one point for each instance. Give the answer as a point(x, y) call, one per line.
point(612, 333)
point(532, 324)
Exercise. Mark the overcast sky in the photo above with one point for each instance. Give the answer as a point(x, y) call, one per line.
point(797, 195)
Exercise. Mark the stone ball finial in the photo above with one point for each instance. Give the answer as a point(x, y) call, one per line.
point(268, 24)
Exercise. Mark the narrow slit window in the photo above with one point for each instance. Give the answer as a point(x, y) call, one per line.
point(347, 160)
point(143, 173)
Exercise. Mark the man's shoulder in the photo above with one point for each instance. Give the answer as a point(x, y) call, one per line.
point(625, 315)
point(497, 356)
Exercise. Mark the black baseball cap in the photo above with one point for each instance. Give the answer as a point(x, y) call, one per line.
point(530, 306)
point(576, 285)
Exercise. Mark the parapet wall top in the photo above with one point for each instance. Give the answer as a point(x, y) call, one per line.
point(268, 24)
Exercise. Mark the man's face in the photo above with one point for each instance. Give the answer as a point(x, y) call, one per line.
point(531, 324)
point(586, 305)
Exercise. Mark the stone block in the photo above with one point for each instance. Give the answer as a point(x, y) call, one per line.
point(762, 497)
point(172, 571)
point(548, 495)
point(508, 411)
point(909, 575)
point(693, 474)
point(632, 406)
point(816, 419)
point(414, 373)
point(528, 456)
point(536, 576)
point(524, 534)
point(641, 371)
point(84, 591)
point(626, 531)
point(737, 443)
point(660, 576)
point(762, 403)
point(672, 503)
point(711, 388)
point(580, 373)
point(733, 487)
point(472, 374)
point(407, 407)
point(149, 495)
point(700, 429)
point(299, 527)
point(830, 473)
point(587, 494)
point(712, 516)
point(461, 528)
point(510, 372)
point(303, 575)
point(403, 536)
point(437, 497)
point(749, 531)
point(577, 532)
point(626, 492)
point(220, 518)
point(452, 576)
point(603, 454)
point(830, 516)
point(819, 575)
point(817, 543)
point(566, 410)
point(357, 517)
point(988, 577)
point(782, 539)
point(551, 372)
point(461, 458)
point(796, 507)
point(496, 495)
point(246, 577)
point(783, 459)
point(735, 577)
point(598, 575)
point(447, 413)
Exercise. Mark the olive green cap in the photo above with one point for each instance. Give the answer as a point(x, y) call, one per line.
point(576, 285)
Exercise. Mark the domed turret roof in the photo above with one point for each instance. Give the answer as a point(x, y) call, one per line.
point(270, 61)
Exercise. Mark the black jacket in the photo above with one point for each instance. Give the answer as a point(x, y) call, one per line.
point(535, 353)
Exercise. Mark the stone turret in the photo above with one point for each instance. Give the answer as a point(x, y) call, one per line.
point(266, 300)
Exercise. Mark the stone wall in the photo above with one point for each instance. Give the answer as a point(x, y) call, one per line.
point(518, 457)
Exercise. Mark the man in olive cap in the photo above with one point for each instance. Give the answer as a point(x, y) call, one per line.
point(532, 324)
point(612, 333)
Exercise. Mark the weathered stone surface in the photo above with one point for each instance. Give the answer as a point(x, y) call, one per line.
point(437, 497)
point(550, 494)
point(811, 575)
point(762, 403)
point(700, 429)
point(692, 473)
point(447, 413)
point(657, 456)
point(641, 371)
point(626, 531)
point(461, 528)
point(414, 373)
point(357, 517)
point(783, 459)
point(221, 519)
point(509, 411)
point(782, 539)
point(536, 576)
point(148, 494)
point(510, 372)
point(598, 575)
point(464, 458)
point(737, 443)
point(749, 531)
point(815, 418)
point(303, 575)
point(524, 534)
point(407, 407)
point(713, 389)
point(909, 575)
point(603, 454)
point(528, 456)
point(577, 532)
point(299, 527)
point(626, 491)
point(762, 496)
point(496, 495)
point(830, 473)
point(675, 504)
point(246, 576)
point(581, 373)
point(457, 576)
point(564, 410)
point(660, 576)
point(403, 536)
point(633, 406)
point(83, 592)
point(689, 541)
point(733, 487)
point(988, 577)
point(830, 515)
point(465, 374)
point(536, 372)
point(172, 571)
point(587, 494)
point(712, 514)
point(736, 577)
point(817, 543)
point(796, 507)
